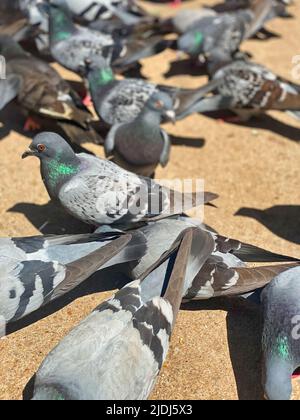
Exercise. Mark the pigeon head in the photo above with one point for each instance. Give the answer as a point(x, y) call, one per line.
point(162, 104)
point(50, 146)
point(191, 42)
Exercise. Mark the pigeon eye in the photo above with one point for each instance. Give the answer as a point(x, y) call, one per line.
point(159, 104)
point(41, 147)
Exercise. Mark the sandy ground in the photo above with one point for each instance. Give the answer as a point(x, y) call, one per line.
point(215, 349)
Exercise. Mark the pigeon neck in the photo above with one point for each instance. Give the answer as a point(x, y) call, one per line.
point(61, 24)
point(100, 77)
point(149, 118)
point(55, 172)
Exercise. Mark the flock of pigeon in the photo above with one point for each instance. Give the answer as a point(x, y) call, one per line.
point(118, 350)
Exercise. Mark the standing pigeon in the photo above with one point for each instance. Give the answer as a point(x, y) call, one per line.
point(225, 31)
point(141, 145)
point(116, 353)
point(37, 270)
point(248, 88)
point(42, 92)
point(121, 101)
point(99, 192)
point(281, 334)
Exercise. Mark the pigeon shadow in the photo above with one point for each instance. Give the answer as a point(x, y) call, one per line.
point(105, 280)
point(50, 219)
point(243, 324)
point(187, 141)
point(265, 122)
point(282, 220)
point(186, 67)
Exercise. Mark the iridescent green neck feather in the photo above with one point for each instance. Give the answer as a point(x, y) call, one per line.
point(61, 25)
point(57, 171)
point(101, 77)
point(282, 348)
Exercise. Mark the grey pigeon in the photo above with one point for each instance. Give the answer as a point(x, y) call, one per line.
point(223, 273)
point(43, 94)
point(141, 145)
point(98, 192)
point(72, 45)
point(281, 334)
point(116, 353)
point(121, 101)
point(247, 88)
point(37, 270)
point(225, 31)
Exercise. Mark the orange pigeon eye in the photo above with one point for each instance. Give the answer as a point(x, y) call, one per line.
point(41, 147)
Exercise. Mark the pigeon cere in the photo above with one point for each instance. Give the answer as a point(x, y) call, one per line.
point(150, 202)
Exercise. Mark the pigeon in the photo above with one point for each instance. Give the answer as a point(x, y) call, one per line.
point(224, 271)
point(141, 145)
point(41, 91)
point(248, 89)
point(116, 353)
point(280, 340)
point(99, 192)
point(37, 270)
point(121, 101)
point(225, 31)
point(72, 45)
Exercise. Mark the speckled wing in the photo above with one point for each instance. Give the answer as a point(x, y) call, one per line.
point(123, 102)
point(82, 45)
point(250, 85)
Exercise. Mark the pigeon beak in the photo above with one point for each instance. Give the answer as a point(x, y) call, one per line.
point(28, 153)
point(170, 115)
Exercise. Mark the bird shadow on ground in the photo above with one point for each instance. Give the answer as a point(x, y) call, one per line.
point(243, 323)
point(185, 67)
point(105, 280)
point(282, 220)
point(265, 122)
point(187, 141)
point(50, 219)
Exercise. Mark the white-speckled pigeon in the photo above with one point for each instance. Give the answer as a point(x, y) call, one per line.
point(248, 88)
point(121, 101)
point(141, 145)
point(116, 353)
point(37, 270)
point(99, 192)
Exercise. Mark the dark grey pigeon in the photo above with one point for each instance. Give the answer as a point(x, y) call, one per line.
point(116, 353)
point(281, 334)
point(99, 192)
point(121, 101)
point(37, 270)
point(141, 145)
point(224, 271)
point(249, 89)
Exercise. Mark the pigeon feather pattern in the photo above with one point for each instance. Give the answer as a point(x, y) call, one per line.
point(99, 192)
point(119, 349)
point(37, 270)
